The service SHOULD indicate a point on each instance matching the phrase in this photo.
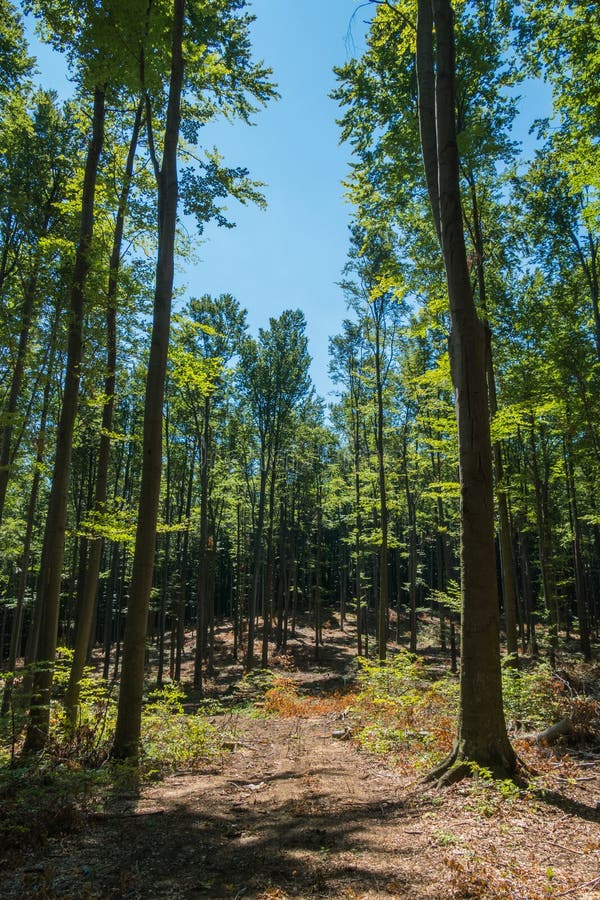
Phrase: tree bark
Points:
(90, 588)
(507, 562)
(270, 573)
(545, 548)
(382, 622)
(127, 734)
(17, 626)
(56, 521)
(580, 593)
(256, 562)
(482, 736)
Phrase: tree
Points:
(346, 352)
(204, 345)
(30, 197)
(127, 732)
(273, 378)
(90, 587)
(375, 296)
(54, 537)
(15, 64)
(482, 736)
(215, 41)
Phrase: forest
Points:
(252, 642)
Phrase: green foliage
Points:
(534, 698)
(450, 598)
(15, 64)
(115, 522)
(172, 738)
(51, 794)
(402, 711)
(405, 711)
(400, 679)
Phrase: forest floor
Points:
(294, 808)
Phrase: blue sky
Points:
(292, 254)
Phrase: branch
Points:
(395, 9)
(426, 105)
(146, 96)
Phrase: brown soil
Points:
(294, 811)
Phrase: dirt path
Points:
(292, 811)
(296, 812)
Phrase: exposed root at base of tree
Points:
(459, 765)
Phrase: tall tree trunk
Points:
(507, 562)
(17, 626)
(90, 588)
(15, 388)
(182, 602)
(441, 556)
(318, 612)
(545, 549)
(358, 536)
(127, 734)
(412, 551)
(482, 735)
(202, 591)
(56, 522)
(282, 588)
(382, 623)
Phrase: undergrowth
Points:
(51, 792)
(406, 712)
(401, 712)
(284, 700)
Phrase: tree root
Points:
(458, 765)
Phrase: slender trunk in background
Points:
(270, 573)
(343, 584)
(580, 592)
(17, 626)
(545, 549)
(256, 563)
(441, 554)
(412, 554)
(120, 583)
(184, 575)
(202, 584)
(56, 521)
(318, 623)
(527, 593)
(282, 574)
(127, 734)
(235, 613)
(15, 388)
(358, 537)
(164, 583)
(109, 608)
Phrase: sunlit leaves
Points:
(204, 186)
